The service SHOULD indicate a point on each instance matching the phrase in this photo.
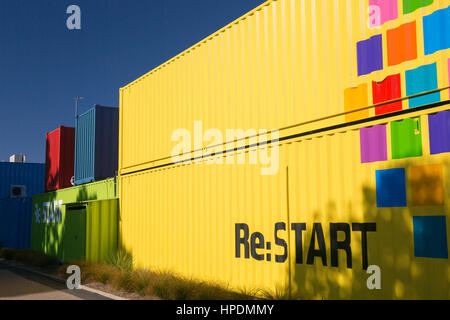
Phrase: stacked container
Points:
(353, 187)
(77, 223)
(59, 158)
(96, 144)
(18, 183)
(29, 176)
(15, 225)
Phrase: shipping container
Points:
(59, 158)
(27, 176)
(361, 187)
(96, 144)
(15, 223)
(57, 217)
(344, 199)
(90, 231)
(286, 63)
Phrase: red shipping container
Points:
(59, 158)
(386, 90)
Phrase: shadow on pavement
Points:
(17, 283)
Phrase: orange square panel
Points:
(427, 186)
(356, 98)
(402, 44)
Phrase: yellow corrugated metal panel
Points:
(183, 218)
(101, 229)
(194, 234)
(284, 63)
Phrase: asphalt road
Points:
(17, 284)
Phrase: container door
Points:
(74, 234)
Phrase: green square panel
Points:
(412, 5)
(406, 138)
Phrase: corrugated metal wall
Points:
(85, 147)
(90, 231)
(30, 175)
(183, 218)
(97, 143)
(102, 226)
(285, 63)
(72, 239)
(107, 142)
(49, 210)
(354, 188)
(15, 223)
(59, 158)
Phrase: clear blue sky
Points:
(43, 65)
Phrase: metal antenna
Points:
(76, 105)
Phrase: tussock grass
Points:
(121, 259)
(163, 285)
(280, 293)
(118, 273)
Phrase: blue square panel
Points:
(430, 237)
(391, 188)
(420, 80)
(436, 31)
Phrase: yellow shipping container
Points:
(229, 223)
(285, 63)
(351, 197)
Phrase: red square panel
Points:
(386, 90)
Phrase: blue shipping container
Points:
(30, 175)
(96, 144)
(15, 223)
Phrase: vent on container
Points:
(18, 192)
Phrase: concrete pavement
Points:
(17, 284)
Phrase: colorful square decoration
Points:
(406, 138)
(388, 10)
(436, 31)
(373, 144)
(412, 5)
(402, 44)
(356, 98)
(430, 237)
(439, 124)
(388, 89)
(427, 185)
(370, 55)
(420, 80)
(391, 188)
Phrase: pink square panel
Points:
(383, 11)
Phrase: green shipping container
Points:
(77, 223)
